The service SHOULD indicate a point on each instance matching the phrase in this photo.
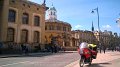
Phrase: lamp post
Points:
(118, 22)
(93, 11)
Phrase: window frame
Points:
(36, 36)
(36, 20)
(24, 37)
(10, 35)
(25, 18)
(11, 16)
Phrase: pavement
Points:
(101, 58)
(31, 54)
(20, 55)
(72, 56)
(60, 59)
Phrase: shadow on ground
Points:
(34, 55)
(98, 65)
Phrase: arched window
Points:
(10, 35)
(25, 18)
(11, 15)
(36, 20)
(36, 37)
(24, 36)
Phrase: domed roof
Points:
(53, 8)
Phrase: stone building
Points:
(107, 38)
(79, 36)
(22, 21)
(56, 30)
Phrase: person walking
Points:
(119, 48)
(23, 46)
(104, 48)
(1, 45)
(26, 48)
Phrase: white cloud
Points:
(78, 26)
(106, 26)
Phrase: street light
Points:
(93, 11)
(118, 22)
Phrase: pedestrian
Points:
(104, 48)
(52, 48)
(100, 48)
(1, 45)
(23, 48)
(119, 48)
(55, 48)
(26, 48)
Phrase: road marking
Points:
(14, 63)
(72, 64)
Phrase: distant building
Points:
(107, 38)
(79, 36)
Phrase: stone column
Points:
(42, 36)
(71, 43)
(63, 43)
(4, 19)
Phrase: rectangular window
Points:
(36, 37)
(37, 21)
(24, 37)
(25, 18)
(10, 35)
(11, 16)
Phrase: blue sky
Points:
(78, 13)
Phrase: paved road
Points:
(54, 60)
(114, 63)
(109, 59)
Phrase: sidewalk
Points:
(101, 58)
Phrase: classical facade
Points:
(22, 21)
(57, 31)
